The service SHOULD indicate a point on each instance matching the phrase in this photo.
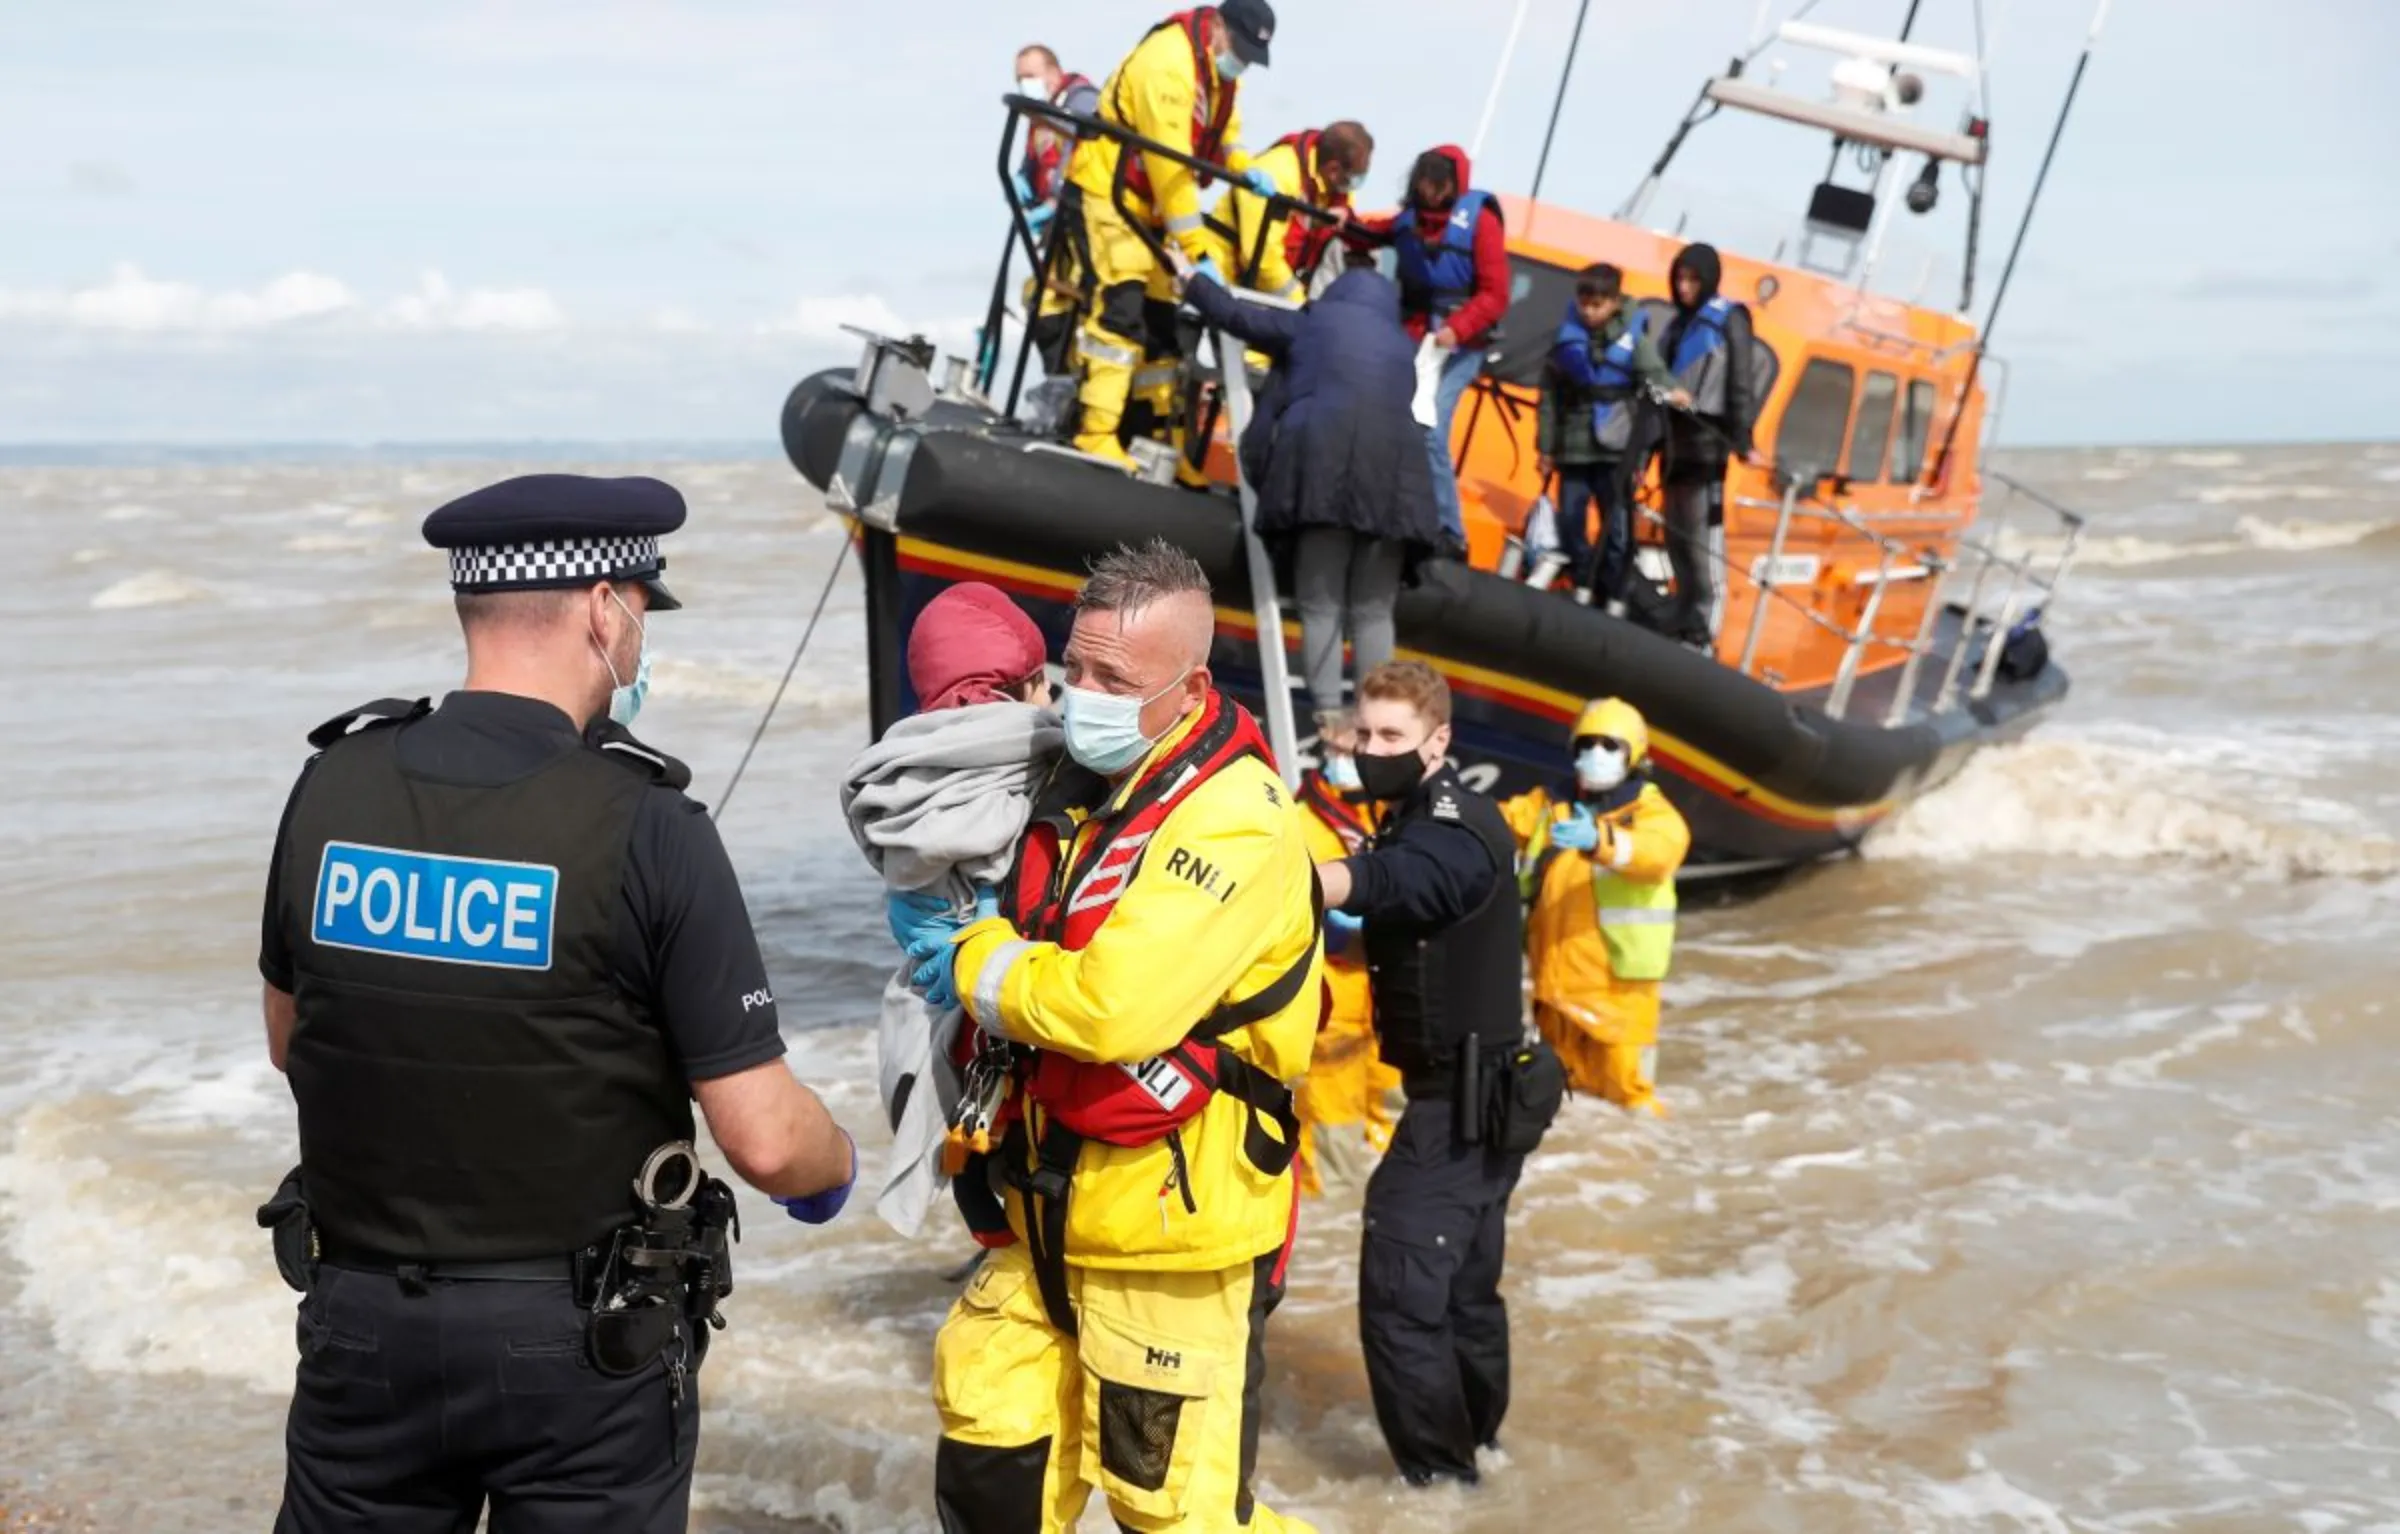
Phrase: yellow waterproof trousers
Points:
(1346, 1106)
(1118, 350)
(1155, 1404)
(1619, 1070)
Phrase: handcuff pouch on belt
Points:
(295, 1233)
(662, 1276)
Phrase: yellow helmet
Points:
(1618, 720)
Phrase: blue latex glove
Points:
(1578, 833)
(817, 1208)
(914, 915)
(934, 952)
(1261, 183)
(1342, 930)
(1024, 189)
(1207, 267)
(1039, 215)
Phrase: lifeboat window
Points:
(1873, 431)
(1817, 418)
(1916, 428)
(1538, 295)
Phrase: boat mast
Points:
(1566, 72)
(1983, 342)
(1491, 103)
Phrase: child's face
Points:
(1596, 312)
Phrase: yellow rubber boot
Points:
(1107, 364)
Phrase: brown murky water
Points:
(2034, 1171)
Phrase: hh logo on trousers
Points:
(415, 905)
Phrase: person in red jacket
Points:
(1451, 253)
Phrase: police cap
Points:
(552, 532)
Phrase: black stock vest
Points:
(472, 1084)
(1435, 989)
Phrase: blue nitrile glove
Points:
(1261, 183)
(1207, 267)
(1024, 189)
(913, 915)
(1579, 833)
(1342, 930)
(934, 953)
(1039, 215)
(817, 1208)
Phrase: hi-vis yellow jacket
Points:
(1243, 210)
(1219, 905)
(1167, 90)
(1642, 844)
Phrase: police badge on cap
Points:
(553, 532)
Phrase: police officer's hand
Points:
(817, 1208)
(1579, 832)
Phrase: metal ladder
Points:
(1266, 603)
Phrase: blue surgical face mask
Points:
(625, 698)
(1104, 731)
(1342, 773)
(1231, 65)
(1600, 768)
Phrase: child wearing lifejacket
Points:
(1597, 862)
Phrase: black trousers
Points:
(413, 1409)
(1598, 567)
(1430, 1316)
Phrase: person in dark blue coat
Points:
(1337, 458)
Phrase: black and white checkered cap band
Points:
(553, 562)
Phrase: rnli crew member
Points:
(1598, 867)
(502, 953)
(1452, 265)
(1444, 940)
(1178, 87)
(1707, 344)
(1606, 350)
(1318, 167)
(1345, 1100)
(1156, 974)
(1040, 178)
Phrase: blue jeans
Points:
(1581, 486)
(1458, 373)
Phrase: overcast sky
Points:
(288, 220)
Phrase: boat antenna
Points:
(1983, 342)
(1491, 103)
(1566, 71)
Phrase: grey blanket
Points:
(938, 804)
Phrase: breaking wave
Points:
(151, 588)
(2251, 535)
(2087, 800)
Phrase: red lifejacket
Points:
(1210, 116)
(1053, 902)
(1050, 144)
(1304, 240)
(1347, 820)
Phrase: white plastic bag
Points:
(1430, 357)
(1541, 528)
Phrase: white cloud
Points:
(435, 305)
(128, 300)
(819, 321)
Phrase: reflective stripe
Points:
(1183, 223)
(1624, 853)
(995, 975)
(1292, 292)
(1634, 916)
(1156, 375)
(1099, 348)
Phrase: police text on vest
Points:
(418, 905)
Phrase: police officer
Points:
(502, 952)
(1444, 938)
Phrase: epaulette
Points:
(375, 716)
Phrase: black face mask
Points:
(1386, 778)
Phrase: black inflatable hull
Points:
(1766, 778)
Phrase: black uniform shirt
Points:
(685, 948)
(1428, 868)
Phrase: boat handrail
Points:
(2029, 589)
(1043, 252)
